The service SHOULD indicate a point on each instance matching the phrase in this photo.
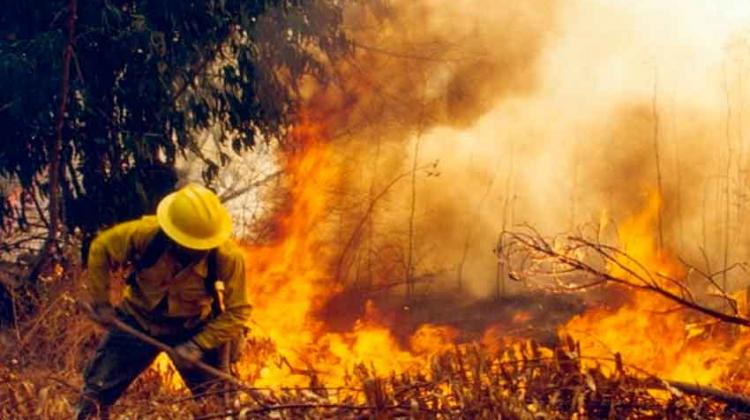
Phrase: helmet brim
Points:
(185, 239)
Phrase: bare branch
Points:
(550, 257)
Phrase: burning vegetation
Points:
(406, 259)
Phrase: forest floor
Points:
(43, 353)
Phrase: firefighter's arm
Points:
(236, 315)
(112, 247)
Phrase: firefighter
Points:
(187, 289)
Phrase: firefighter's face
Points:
(186, 255)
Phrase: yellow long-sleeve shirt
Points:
(188, 303)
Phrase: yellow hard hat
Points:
(194, 217)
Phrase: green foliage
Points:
(146, 76)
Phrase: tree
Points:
(145, 76)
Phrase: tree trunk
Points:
(55, 150)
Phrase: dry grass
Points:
(40, 377)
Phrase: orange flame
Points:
(650, 332)
(291, 281)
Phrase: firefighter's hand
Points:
(189, 352)
(103, 313)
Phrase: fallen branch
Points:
(737, 402)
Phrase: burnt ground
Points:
(534, 315)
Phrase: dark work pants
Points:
(120, 358)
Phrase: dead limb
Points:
(534, 256)
(737, 402)
(232, 194)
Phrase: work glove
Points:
(104, 314)
(189, 351)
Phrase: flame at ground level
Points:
(652, 333)
(291, 281)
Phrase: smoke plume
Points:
(555, 114)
